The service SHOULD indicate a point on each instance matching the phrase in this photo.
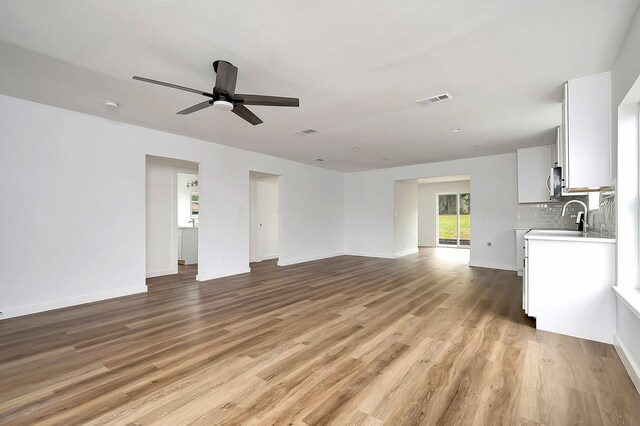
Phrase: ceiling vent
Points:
(306, 131)
(434, 99)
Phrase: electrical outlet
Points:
(488, 243)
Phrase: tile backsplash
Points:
(603, 221)
(549, 215)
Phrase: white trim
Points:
(172, 271)
(632, 368)
(260, 259)
(630, 297)
(286, 262)
(17, 311)
(369, 254)
(406, 252)
(490, 265)
(222, 274)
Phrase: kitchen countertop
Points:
(187, 227)
(566, 235)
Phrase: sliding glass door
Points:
(454, 220)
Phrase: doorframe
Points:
(176, 166)
(254, 211)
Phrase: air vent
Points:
(434, 99)
(306, 131)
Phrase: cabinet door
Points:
(525, 289)
(588, 146)
(534, 165)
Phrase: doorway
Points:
(454, 217)
(453, 225)
(264, 216)
(168, 212)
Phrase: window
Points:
(454, 220)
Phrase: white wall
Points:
(370, 199)
(428, 210)
(84, 239)
(405, 217)
(184, 198)
(160, 218)
(624, 77)
(265, 219)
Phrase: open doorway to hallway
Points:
(264, 216)
(172, 208)
(431, 212)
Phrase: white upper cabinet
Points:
(585, 154)
(534, 165)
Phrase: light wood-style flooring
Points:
(348, 341)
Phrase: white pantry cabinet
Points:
(585, 148)
(534, 165)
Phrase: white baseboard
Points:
(162, 273)
(490, 265)
(632, 368)
(285, 262)
(18, 311)
(406, 252)
(369, 254)
(222, 274)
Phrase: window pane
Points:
(447, 219)
(465, 219)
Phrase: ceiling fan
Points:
(224, 96)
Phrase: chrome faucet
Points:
(193, 223)
(581, 220)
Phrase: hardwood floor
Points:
(346, 341)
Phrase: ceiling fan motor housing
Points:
(221, 100)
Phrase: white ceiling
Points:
(358, 67)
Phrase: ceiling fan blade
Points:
(173, 86)
(226, 75)
(268, 100)
(244, 113)
(197, 107)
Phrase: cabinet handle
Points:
(549, 183)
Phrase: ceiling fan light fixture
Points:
(224, 105)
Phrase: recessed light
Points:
(111, 104)
(320, 159)
(355, 148)
(456, 129)
(475, 146)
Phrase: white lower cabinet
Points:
(568, 287)
(188, 245)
